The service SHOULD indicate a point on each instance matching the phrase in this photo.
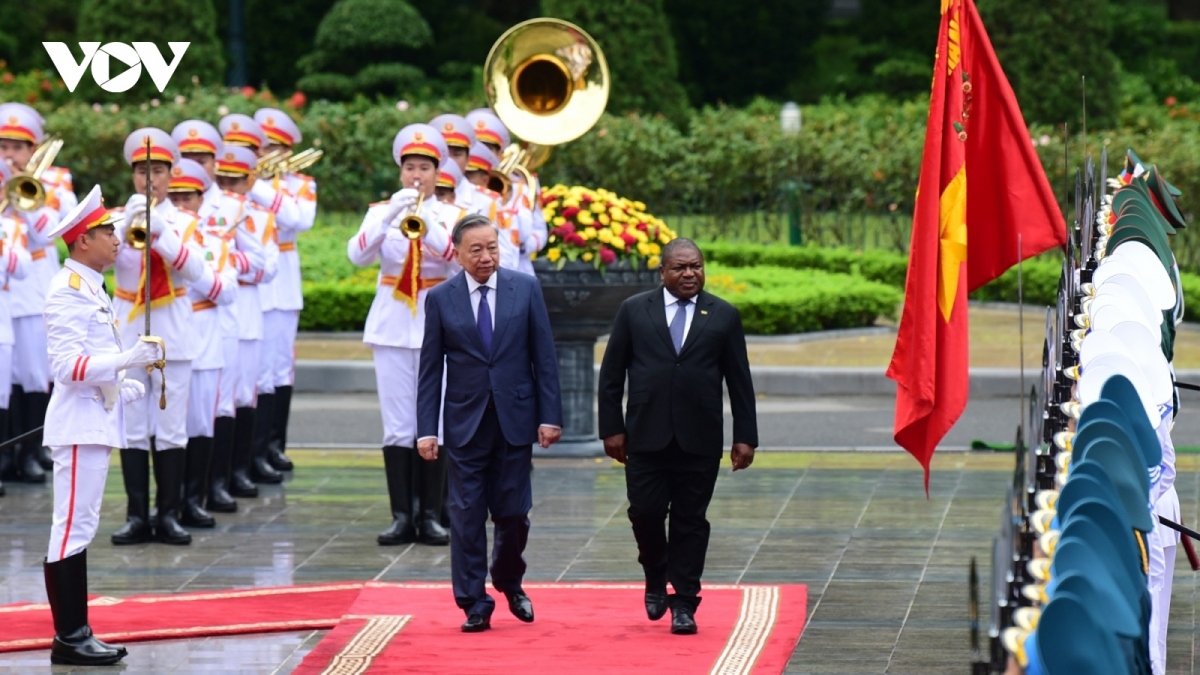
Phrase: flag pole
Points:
(1021, 334)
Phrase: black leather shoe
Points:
(432, 533)
(136, 530)
(81, 648)
(241, 485)
(278, 460)
(261, 471)
(31, 469)
(682, 622)
(520, 605)
(656, 604)
(401, 531)
(477, 623)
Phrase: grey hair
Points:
(469, 222)
(680, 244)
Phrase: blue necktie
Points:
(484, 319)
(678, 322)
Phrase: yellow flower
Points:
(640, 206)
(568, 203)
(655, 249)
(589, 233)
(587, 256)
(559, 221)
(640, 236)
(605, 236)
(584, 218)
(653, 262)
(597, 207)
(604, 220)
(553, 204)
(643, 249)
(617, 228)
(553, 255)
(617, 214)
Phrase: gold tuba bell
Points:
(137, 236)
(413, 225)
(24, 191)
(548, 82)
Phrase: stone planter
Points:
(582, 304)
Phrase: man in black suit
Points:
(675, 344)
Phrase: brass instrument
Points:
(278, 162)
(25, 190)
(138, 234)
(500, 183)
(413, 225)
(548, 82)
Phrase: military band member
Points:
(525, 208)
(242, 130)
(282, 320)
(235, 175)
(14, 264)
(89, 361)
(175, 263)
(396, 323)
(485, 201)
(459, 136)
(450, 177)
(223, 211)
(189, 181)
(489, 130)
(20, 132)
(60, 190)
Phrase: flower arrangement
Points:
(599, 227)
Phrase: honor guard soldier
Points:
(459, 136)
(525, 207)
(235, 175)
(409, 236)
(14, 264)
(222, 211)
(282, 319)
(241, 130)
(20, 133)
(175, 263)
(91, 391)
(189, 182)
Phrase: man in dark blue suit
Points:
(488, 331)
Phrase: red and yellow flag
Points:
(981, 186)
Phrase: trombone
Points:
(25, 190)
(413, 225)
(279, 162)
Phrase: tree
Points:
(160, 22)
(272, 54)
(366, 47)
(25, 25)
(731, 52)
(1045, 46)
(636, 40)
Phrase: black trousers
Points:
(677, 484)
(488, 476)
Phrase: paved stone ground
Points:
(886, 568)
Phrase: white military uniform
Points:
(282, 298)
(207, 296)
(14, 264)
(31, 368)
(83, 341)
(260, 224)
(171, 320)
(534, 233)
(394, 331)
(219, 213)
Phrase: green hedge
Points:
(877, 265)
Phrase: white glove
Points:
(136, 201)
(401, 201)
(132, 390)
(140, 355)
(262, 193)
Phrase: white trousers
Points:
(6, 375)
(202, 402)
(31, 363)
(245, 395)
(143, 419)
(80, 472)
(396, 372)
(279, 345)
(1160, 593)
(228, 379)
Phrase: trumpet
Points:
(413, 225)
(279, 162)
(137, 235)
(25, 190)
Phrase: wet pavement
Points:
(886, 568)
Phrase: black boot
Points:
(195, 483)
(277, 442)
(240, 484)
(33, 469)
(135, 468)
(219, 500)
(169, 466)
(261, 470)
(398, 466)
(431, 482)
(9, 464)
(74, 644)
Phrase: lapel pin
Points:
(704, 312)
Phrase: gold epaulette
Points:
(74, 282)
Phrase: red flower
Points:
(298, 100)
(1171, 101)
(642, 227)
(8, 78)
(607, 256)
(565, 229)
(575, 240)
(45, 85)
(629, 239)
(31, 98)
(570, 212)
(248, 92)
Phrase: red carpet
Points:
(160, 617)
(580, 628)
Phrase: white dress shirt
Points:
(473, 292)
(672, 304)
